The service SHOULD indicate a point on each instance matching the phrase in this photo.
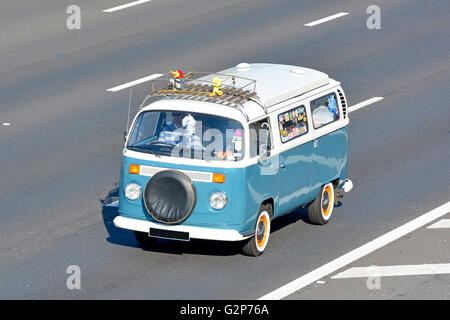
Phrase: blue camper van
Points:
(219, 156)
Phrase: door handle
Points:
(282, 162)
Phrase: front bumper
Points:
(194, 232)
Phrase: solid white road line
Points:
(135, 82)
(356, 254)
(332, 17)
(124, 6)
(364, 104)
(6, 124)
(393, 271)
(444, 223)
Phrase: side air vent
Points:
(343, 103)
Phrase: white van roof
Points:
(266, 85)
(272, 83)
(277, 82)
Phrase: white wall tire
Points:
(321, 209)
(256, 245)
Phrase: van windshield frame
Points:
(185, 134)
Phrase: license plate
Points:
(169, 234)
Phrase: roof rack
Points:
(207, 88)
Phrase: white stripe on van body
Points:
(232, 113)
(246, 162)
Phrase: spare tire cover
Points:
(169, 197)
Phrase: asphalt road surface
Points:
(61, 140)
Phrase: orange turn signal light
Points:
(218, 178)
(135, 169)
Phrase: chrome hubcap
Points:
(261, 231)
(325, 201)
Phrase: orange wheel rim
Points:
(261, 227)
(326, 201)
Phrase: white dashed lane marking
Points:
(124, 6)
(364, 104)
(332, 17)
(392, 271)
(441, 224)
(135, 82)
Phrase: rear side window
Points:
(292, 123)
(324, 110)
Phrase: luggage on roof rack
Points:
(204, 86)
(209, 87)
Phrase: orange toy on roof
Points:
(178, 83)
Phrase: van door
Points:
(295, 159)
(262, 177)
(330, 145)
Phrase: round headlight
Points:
(132, 191)
(218, 200)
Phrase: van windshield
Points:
(187, 135)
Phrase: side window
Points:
(324, 110)
(145, 127)
(292, 123)
(260, 140)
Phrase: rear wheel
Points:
(321, 209)
(256, 245)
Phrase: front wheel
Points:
(256, 245)
(321, 209)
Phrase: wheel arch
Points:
(271, 202)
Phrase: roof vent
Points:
(243, 66)
(298, 71)
(343, 103)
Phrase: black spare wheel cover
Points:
(169, 196)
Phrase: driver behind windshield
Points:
(180, 131)
(177, 122)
